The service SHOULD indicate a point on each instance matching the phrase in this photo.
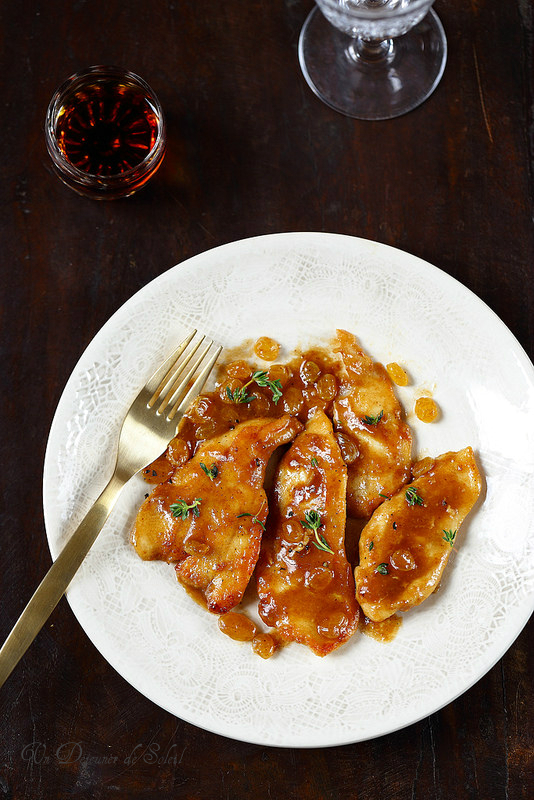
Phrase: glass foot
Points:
(379, 82)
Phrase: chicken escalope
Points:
(368, 413)
(406, 544)
(208, 519)
(305, 583)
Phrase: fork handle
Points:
(55, 582)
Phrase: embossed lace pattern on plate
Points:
(298, 288)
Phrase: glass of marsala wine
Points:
(373, 59)
(105, 132)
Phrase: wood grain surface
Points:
(251, 151)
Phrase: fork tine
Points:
(181, 405)
(178, 379)
(160, 379)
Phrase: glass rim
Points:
(56, 153)
(373, 13)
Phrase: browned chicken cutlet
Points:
(368, 413)
(305, 583)
(208, 518)
(406, 544)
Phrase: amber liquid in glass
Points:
(107, 128)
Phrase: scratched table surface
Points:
(251, 151)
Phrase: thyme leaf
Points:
(181, 509)
(412, 498)
(254, 519)
(382, 569)
(312, 521)
(260, 379)
(449, 536)
(240, 395)
(370, 420)
(322, 544)
(211, 472)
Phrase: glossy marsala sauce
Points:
(305, 584)
(312, 379)
(309, 380)
(406, 551)
(406, 545)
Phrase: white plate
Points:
(297, 287)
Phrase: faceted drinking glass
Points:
(105, 132)
(373, 59)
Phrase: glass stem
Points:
(370, 50)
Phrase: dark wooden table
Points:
(251, 151)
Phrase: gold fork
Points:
(147, 429)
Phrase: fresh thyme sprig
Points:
(211, 472)
(260, 378)
(449, 536)
(240, 395)
(412, 498)
(254, 519)
(181, 509)
(312, 521)
(370, 420)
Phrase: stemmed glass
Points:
(373, 59)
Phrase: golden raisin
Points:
(309, 371)
(261, 405)
(397, 374)
(201, 408)
(326, 387)
(206, 430)
(319, 578)
(237, 626)
(263, 645)
(279, 372)
(239, 369)
(402, 560)
(178, 451)
(194, 547)
(266, 348)
(293, 400)
(349, 450)
(293, 532)
(426, 409)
